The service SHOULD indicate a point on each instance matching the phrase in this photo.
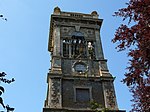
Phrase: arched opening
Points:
(77, 47)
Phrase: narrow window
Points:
(66, 48)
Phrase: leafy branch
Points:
(98, 107)
(1, 16)
(2, 90)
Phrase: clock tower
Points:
(78, 73)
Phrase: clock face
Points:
(80, 67)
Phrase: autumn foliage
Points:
(135, 37)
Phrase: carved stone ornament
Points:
(79, 67)
(55, 93)
(110, 98)
(77, 27)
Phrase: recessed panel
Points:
(82, 95)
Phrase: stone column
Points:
(69, 49)
(56, 37)
(61, 48)
(98, 46)
(56, 57)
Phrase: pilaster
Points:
(99, 50)
(56, 60)
(109, 95)
(55, 94)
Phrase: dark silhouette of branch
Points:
(9, 109)
(3, 74)
(1, 102)
(1, 16)
(3, 79)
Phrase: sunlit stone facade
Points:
(78, 73)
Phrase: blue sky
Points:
(24, 43)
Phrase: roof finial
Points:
(57, 10)
(94, 14)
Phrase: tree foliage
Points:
(2, 90)
(96, 107)
(135, 36)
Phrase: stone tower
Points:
(79, 73)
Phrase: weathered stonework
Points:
(79, 73)
(109, 95)
(55, 91)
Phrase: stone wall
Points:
(69, 95)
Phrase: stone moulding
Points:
(71, 110)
